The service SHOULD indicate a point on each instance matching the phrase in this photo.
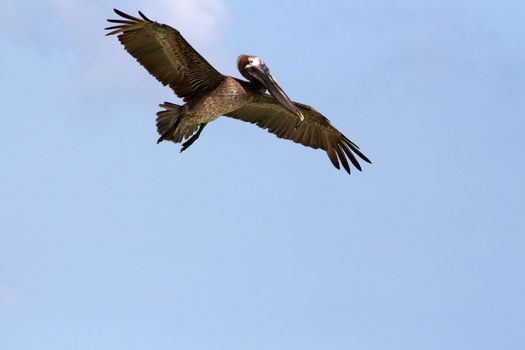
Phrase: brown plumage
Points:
(209, 94)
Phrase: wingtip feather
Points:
(144, 17)
(125, 15)
(342, 158)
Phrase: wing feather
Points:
(315, 131)
(165, 54)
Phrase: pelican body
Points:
(209, 94)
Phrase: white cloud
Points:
(102, 60)
(200, 20)
(73, 31)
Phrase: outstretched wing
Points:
(315, 131)
(165, 54)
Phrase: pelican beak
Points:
(262, 74)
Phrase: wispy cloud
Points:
(72, 32)
(102, 60)
(201, 20)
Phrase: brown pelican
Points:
(208, 94)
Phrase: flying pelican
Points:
(208, 94)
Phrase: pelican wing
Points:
(166, 55)
(315, 131)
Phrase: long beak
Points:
(262, 73)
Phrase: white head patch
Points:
(255, 61)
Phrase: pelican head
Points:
(255, 70)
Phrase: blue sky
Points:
(245, 241)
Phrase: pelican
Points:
(208, 94)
